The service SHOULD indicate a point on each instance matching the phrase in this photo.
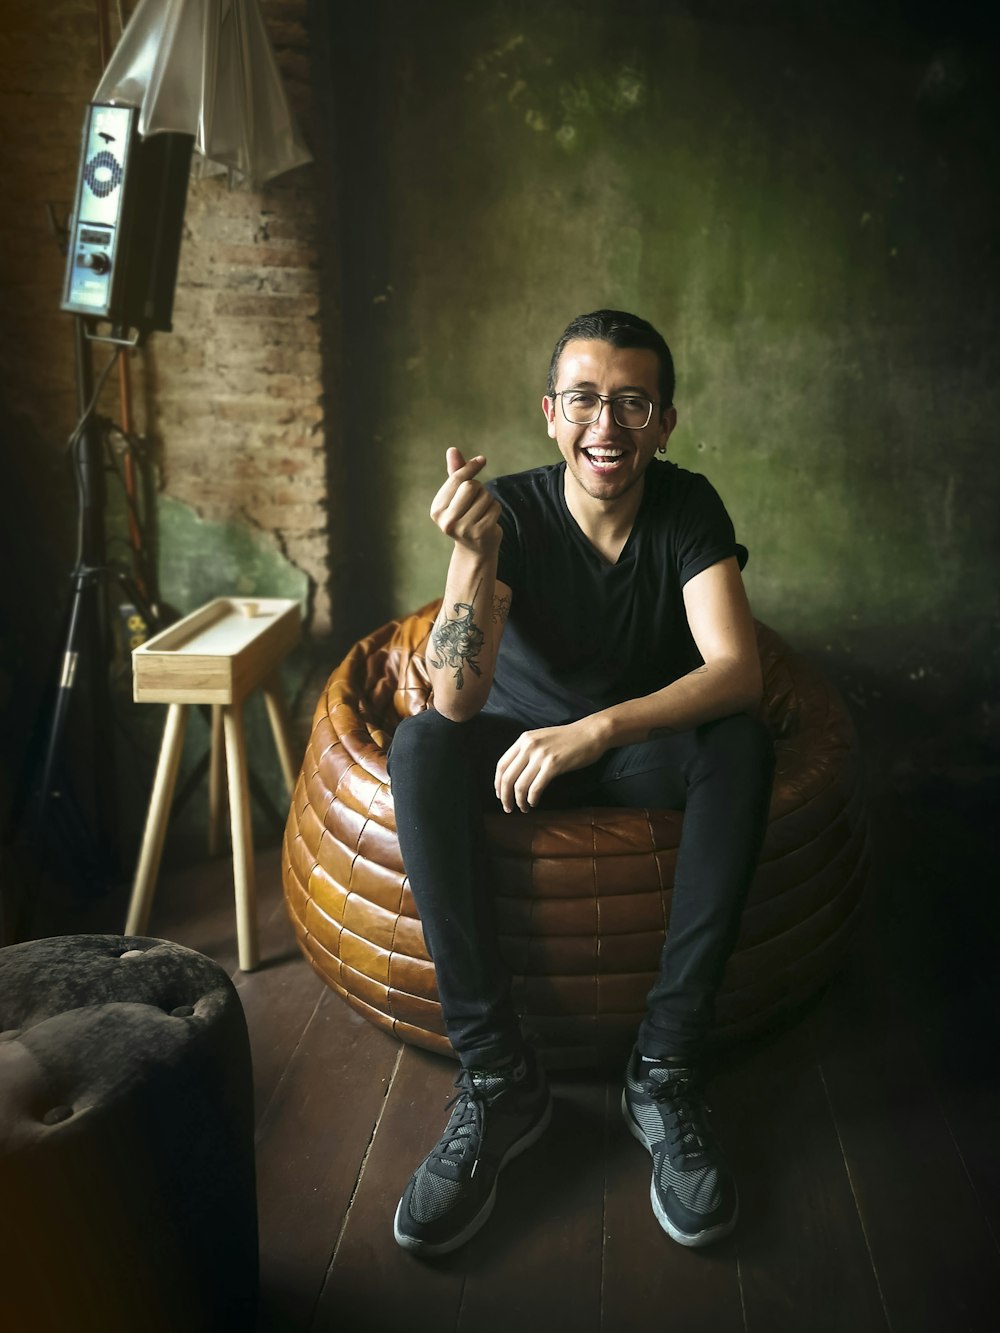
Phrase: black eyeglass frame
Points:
(606, 398)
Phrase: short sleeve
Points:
(509, 560)
(705, 533)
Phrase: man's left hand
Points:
(536, 757)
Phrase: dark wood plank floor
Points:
(864, 1135)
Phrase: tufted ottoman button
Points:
(127, 1189)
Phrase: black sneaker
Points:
(497, 1114)
(692, 1192)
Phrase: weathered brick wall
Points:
(235, 400)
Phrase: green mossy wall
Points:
(197, 559)
(801, 197)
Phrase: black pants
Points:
(442, 783)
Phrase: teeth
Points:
(605, 454)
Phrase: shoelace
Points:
(466, 1125)
(679, 1092)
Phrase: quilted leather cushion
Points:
(583, 896)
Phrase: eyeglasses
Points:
(581, 407)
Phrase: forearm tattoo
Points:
(501, 605)
(458, 642)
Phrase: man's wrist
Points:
(601, 729)
(472, 564)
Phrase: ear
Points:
(668, 420)
(549, 409)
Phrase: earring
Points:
(661, 448)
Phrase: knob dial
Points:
(98, 261)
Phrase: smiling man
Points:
(594, 647)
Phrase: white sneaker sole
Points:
(692, 1241)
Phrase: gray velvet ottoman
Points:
(127, 1191)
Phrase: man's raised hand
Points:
(464, 509)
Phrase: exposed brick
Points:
(270, 256)
(266, 306)
(276, 359)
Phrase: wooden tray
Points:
(218, 654)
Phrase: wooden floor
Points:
(864, 1136)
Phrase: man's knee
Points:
(419, 740)
(740, 742)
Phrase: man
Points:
(594, 647)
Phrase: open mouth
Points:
(603, 458)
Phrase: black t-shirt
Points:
(584, 634)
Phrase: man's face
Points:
(603, 459)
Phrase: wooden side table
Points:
(217, 655)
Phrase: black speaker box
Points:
(125, 234)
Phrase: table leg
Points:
(216, 772)
(239, 819)
(156, 820)
(278, 715)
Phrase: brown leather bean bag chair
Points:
(583, 896)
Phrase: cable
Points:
(72, 447)
(142, 571)
(81, 425)
(110, 429)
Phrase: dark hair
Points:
(620, 330)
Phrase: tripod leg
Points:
(67, 679)
(156, 821)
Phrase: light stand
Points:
(87, 621)
(186, 73)
(56, 812)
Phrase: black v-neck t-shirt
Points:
(583, 633)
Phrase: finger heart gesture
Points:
(463, 508)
